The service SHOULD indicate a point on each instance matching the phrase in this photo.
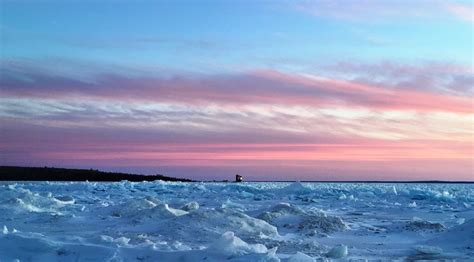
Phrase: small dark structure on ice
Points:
(238, 178)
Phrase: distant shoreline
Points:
(16, 173)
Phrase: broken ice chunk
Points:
(337, 252)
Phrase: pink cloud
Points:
(383, 10)
(262, 121)
(26, 144)
(258, 87)
(462, 11)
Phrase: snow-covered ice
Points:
(173, 221)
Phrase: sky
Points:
(272, 90)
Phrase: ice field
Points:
(173, 221)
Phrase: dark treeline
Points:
(13, 173)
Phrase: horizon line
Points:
(434, 181)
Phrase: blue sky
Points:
(312, 89)
(216, 35)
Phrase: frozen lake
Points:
(172, 221)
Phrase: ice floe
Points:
(170, 221)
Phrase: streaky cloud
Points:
(269, 87)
